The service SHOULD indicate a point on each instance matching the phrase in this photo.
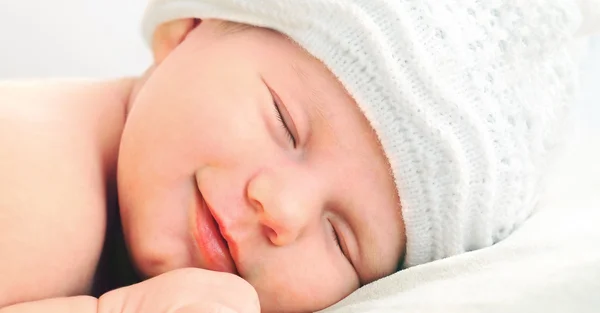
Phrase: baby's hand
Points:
(188, 290)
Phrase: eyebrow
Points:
(230, 28)
(314, 95)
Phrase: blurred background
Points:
(71, 38)
(102, 39)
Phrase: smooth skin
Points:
(203, 120)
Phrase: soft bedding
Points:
(552, 264)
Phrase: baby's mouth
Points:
(214, 249)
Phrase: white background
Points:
(102, 39)
(71, 38)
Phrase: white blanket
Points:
(552, 264)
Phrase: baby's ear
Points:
(169, 35)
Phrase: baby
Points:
(280, 154)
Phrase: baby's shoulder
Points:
(58, 145)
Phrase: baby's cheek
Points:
(233, 138)
(302, 288)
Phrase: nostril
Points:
(270, 234)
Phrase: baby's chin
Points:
(151, 259)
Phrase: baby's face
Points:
(242, 153)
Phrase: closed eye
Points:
(342, 247)
(338, 243)
(284, 117)
(336, 238)
(285, 126)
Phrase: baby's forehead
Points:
(294, 63)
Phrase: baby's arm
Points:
(81, 304)
(53, 136)
(188, 290)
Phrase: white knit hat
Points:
(465, 96)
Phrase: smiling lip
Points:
(214, 251)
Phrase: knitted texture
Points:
(465, 96)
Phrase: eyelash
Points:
(283, 124)
(336, 238)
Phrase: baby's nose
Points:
(285, 206)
